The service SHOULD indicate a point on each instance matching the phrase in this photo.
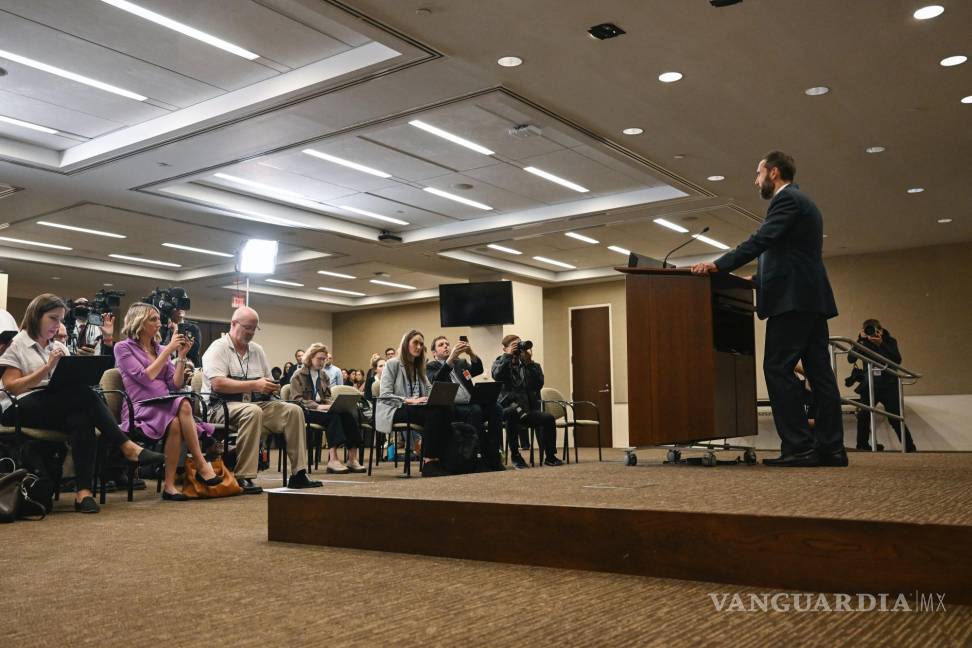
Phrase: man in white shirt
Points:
(333, 372)
(236, 370)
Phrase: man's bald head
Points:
(244, 325)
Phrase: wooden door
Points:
(209, 332)
(590, 333)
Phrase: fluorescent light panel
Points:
(186, 30)
(714, 243)
(557, 179)
(83, 230)
(670, 225)
(346, 163)
(254, 184)
(73, 76)
(581, 237)
(362, 212)
(391, 284)
(455, 139)
(619, 250)
(459, 199)
(37, 243)
(195, 249)
(23, 124)
(501, 248)
(285, 283)
(335, 274)
(559, 264)
(143, 260)
(341, 292)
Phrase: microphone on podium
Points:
(694, 236)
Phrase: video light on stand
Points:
(256, 257)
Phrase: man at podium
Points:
(793, 294)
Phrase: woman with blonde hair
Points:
(402, 399)
(30, 361)
(309, 385)
(148, 373)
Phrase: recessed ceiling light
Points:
(874, 149)
(619, 250)
(391, 284)
(256, 185)
(501, 248)
(143, 260)
(546, 175)
(455, 139)
(23, 124)
(931, 11)
(816, 91)
(559, 264)
(670, 225)
(341, 292)
(38, 244)
(199, 250)
(712, 242)
(716, 178)
(944, 220)
(509, 61)
(186, 30)
(285, 283)
(581, 237)
(916, 190)
(952, 61)
(336, 274)
(50, 69)
(362, 212)
(967, 100)
(459, 199)
(346, 163)
(670, 77)
(633, 131)
(83, 230)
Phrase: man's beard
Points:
(766, 190)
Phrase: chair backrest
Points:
(197, 382)
(112, 379)
(285, 392)
(337, 390)
(549, 395)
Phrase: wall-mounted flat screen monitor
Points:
(486, 303)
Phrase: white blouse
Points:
(28, 356)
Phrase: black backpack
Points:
(462, 450)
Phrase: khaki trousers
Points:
(254, 421)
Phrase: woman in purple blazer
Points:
(147, 372)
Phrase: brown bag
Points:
(226, 488)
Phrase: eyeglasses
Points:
(246, 327)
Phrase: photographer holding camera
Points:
(522, 380)
(91, 325)
(172, 304)
(877, 339)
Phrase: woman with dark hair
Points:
(30, 361)
(148, 373)
(404, 391)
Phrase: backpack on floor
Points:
(462, 449)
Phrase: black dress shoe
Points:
(87, 505)
(805, 459)
(174, 497)
(249, 488)
(214, 481)
(149, 458)
(837, 458)
(552, 461)
(300, 480)
(434, 469)
(518, 461)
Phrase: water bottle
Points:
(391, 452)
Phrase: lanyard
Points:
(243, 368)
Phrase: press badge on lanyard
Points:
(467, 375)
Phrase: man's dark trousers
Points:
(791, 337)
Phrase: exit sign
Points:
(239, 301)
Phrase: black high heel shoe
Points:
(149, 458)
(215, 481)
(174, 497)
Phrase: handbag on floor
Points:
(195, 490)
(15, 500)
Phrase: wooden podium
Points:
(691, 356)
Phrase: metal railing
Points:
(873, 360)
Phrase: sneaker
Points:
(300, 480)
(337, 468)
(434, 469)
(552, 461)
(518, 462)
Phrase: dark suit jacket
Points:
(789, 244)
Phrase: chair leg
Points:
(531, 447)
(283, 455)
(599, 441)
(371, 455)
(567, 445)
(131, 481)
(408, 450)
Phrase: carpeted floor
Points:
(150, 573)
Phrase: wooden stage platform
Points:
(890, 523)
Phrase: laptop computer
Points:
(486, 393)
(345, 404)
(80, 371)
(443, 393)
